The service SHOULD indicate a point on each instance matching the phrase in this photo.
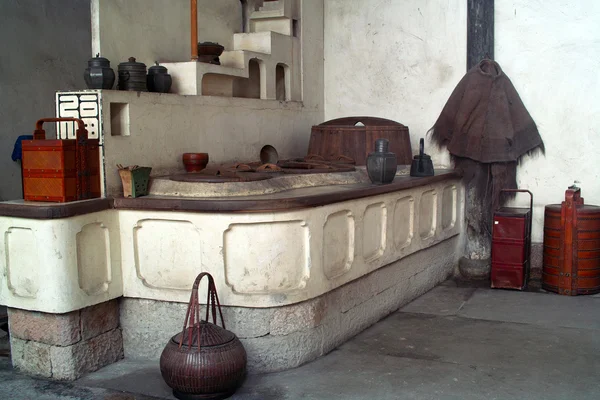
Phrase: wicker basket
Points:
(204, 361)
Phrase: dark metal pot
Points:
(158, 79)
(382, 164)
(99, 74)
(422, 164)
(132, 76)
(204, 361)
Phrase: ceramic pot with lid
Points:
(204, 361)
(132, 76)
(99, 74)
(158, 79)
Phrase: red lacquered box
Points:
(60, 170)
(511, 246)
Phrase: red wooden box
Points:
(571, 263)
(511, 246)
(52, 171)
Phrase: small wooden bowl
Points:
(194, 162)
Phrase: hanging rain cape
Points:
(485, 122)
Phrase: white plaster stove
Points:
(289, 262)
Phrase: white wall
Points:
(159, 30)
(551, 51)
(394, 59)
(45, 47)
(402, 59)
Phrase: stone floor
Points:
(454, 342)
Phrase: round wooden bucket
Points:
(571, 263)
(355, 137)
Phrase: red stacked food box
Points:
(511, 247)
(571, 263)
(60, 170)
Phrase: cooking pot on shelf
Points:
(132, 76)
(99, 74)
(158, 79)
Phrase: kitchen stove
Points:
(257, 171)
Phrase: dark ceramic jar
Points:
(382, 164)
(158, 79)
(99, 74)
(132, 76)
(204, 361)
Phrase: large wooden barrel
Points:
(571, 263)
(355, 137)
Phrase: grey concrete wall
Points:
(45, 47)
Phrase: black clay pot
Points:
(158, 79)
(382, 164)
(132, 76)
(99, 74)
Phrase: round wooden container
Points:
(355, 137)
(571, 263)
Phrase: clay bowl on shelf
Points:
(194, 162)
(210, 49)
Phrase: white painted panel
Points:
(338, 244)
(259, 258)
(374, 231)
(427, 214)
(449, 207)
(167, 253)
(93, 258)
(404, 217)
(21, 262)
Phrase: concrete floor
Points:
(454, 342)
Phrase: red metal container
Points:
(571, 246)
(511, 246)
(60, 170)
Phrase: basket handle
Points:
(40, 134)
(193, 312)
(520, 191)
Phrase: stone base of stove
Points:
(280, 338)
(65, 346)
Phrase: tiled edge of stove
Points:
(275, 259)
(257, 259)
